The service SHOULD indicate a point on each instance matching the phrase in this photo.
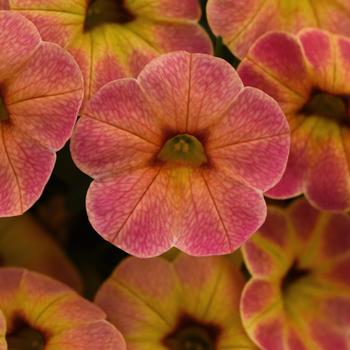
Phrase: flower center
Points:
(25, 338)
(183, 149)
(190, 334)
(106, 11)
(294, 275)
(328, 106)
(4, 115)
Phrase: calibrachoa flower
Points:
(24, 243)
(41, 91)
(299, 295)
(308, 75)
(111, 39)
(181, 157)
(190, 304)
(41, 313)
(241, 22)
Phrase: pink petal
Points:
(134, 211)
(213, 221)
(44, 96)
(117, 130)
(25, 169)
(99, 335)
(278, 56)
(18, 41)
(331, 191)
(253, 127)
(178, 86)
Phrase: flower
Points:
(24, 243)
(40, 313)
(41, 90)
(241, 23)
(111, 39)
(191, 303)
(180, 157)
(308, 75)
(299, 294)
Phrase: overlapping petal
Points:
(145, 205)
(293, 70)
(41, 90)
(242, 22)
(120, 46)
(64, 319)
(298, 297)
(148, 300)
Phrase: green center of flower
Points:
(328, 106)
(4, 116)
(190, 334)
(25, 338)
(183, 149)
(106, 11)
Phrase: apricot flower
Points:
(242, 22)
(308, 75)
(111, 39)
(41, 90)
(181, 157)
(299, 295)
(40, 313)
(192, 303)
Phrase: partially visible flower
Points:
(24, 243)
(299, 295)
(181, 157)
(242, 22)
(309, 75)
(41, 90)
(190, 303)
(41, 313)
(111, 39)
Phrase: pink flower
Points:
(39, 313)
(180, 157)
(111, 39)
(41, 91)
(241, 22)
(308, 75)
(299, 294)
(190, 303)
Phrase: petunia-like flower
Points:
(111, 39)
(189, 304)
(308, 75)
(299, 295)
(24, 243)
(40, 313)
(241, 22)
(41, 90)
(181, 157)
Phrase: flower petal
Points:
(142, 311)
(24, 172)
(214, 222)
(278, 59)
(117, 130)
(178, 84)
(133, 210)
(44, 97)
(253, 127)
(18, 41)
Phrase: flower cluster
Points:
(182, 150)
